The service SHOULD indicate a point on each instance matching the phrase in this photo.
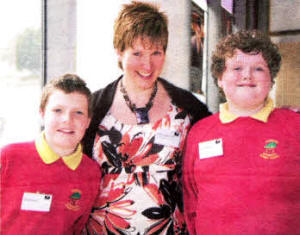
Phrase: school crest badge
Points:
(270, 147)
(74, 198)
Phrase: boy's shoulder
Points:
(287, 116)
(12, 147)
(287, 112)
(89, 171)
(15, 151)
(89, 163)
(204, 126)
(206, 122)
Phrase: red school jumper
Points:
(73, 192)
(254, 186)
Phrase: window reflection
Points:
(20, 69)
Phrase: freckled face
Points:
(65, 119)
(246, 81)
(142, 63)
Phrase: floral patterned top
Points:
(141, 165)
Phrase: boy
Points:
(242, 165)
(48, 186)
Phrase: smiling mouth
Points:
(66, 131)
(145, 75)
(247, 85)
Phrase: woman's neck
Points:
(138, 96)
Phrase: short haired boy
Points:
(48, 186)
(242, 165)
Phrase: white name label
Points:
(167, 137)
(212, 148)
(36, 202)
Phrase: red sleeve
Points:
(79, 226)
(3, 164)
(190, 191)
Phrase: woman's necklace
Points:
(141, 114)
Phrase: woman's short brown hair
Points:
(67, 83)
(139, 19)
(251, 41)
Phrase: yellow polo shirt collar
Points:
(262, 115)
(49, 156)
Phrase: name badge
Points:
(36, 202)
(167, 137)
(212, 148)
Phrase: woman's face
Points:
(142, 63)
(246, 81)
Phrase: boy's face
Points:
(246, 81)
(65, 119)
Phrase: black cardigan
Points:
(103, 99)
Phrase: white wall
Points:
(61, 39)
(177, 61)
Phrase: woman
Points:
(138, 132)
(242, 165)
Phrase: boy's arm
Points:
(189, 186)
(79, 226)
(2, 163)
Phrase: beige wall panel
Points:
(288, 79)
